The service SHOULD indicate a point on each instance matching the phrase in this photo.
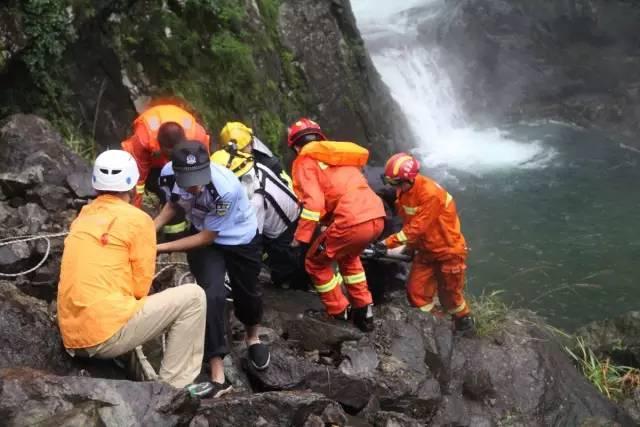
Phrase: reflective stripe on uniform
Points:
(329, 286)
(448, 200)
(310, 215)
(458, 309)
(410, 210)
(140, 188)
(355, 278)
(401, 236)
(427, 308)
(175, 228)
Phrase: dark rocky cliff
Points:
(574, 60)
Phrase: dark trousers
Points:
(242, 262)
(286, 263)
(151, 185)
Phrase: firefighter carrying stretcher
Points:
(431, 228)
(328, 181)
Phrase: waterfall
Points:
(444, 137)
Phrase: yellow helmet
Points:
(237, 162)
(237, 133)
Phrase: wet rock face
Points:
(414, 365)
(31, 397)
(272, 409)
(351, 99)
(618, 338)
(41, 191)
(29, 336)
(576, 60)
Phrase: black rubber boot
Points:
(465, 326)
(345, 315)
(363, 318)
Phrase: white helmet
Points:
(115, 170)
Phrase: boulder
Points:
(80, 184)
(271, 409)
(29, 338)
(29, 141)
(618, 338)
(29, 397)
(290, 372)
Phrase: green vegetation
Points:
(614, 381)
(489, 312)
(73, 137)
(48, 27)
(218, 57)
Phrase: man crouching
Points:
(108, 263)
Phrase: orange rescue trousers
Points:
(344, 246)
(445, 277)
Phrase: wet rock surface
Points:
(618, 338)
(412, 370)
(41, 195)
(29, 397)
(575, 60)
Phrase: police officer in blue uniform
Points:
(223, 237)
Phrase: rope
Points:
(7, 241)
(21, 239)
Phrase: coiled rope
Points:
(8, 241)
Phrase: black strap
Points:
(267, 196)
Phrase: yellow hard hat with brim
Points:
(237, 133)
(237, 162)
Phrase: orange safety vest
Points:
(331, 193)
(430, 221)
(144, 146)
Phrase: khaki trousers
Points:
(181, 312)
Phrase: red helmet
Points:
(302, 128)
(401, 167)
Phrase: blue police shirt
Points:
(222, 206)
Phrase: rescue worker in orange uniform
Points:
(155, 132)
(431, 228)
(334, 192)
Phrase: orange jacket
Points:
(143, 144)
(338, 194)
(431, 222)
(107, 268)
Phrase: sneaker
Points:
(345, 315)
(363, 318)
(220, 389)
(202, 389)
(259, 356)
(465, 325)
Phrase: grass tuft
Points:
(489, 311)
(614, 381)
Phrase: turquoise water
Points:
(562, 239)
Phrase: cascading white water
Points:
(424, 91)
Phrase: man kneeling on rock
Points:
(224, 237)
(108, 263)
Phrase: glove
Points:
(380, 249)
